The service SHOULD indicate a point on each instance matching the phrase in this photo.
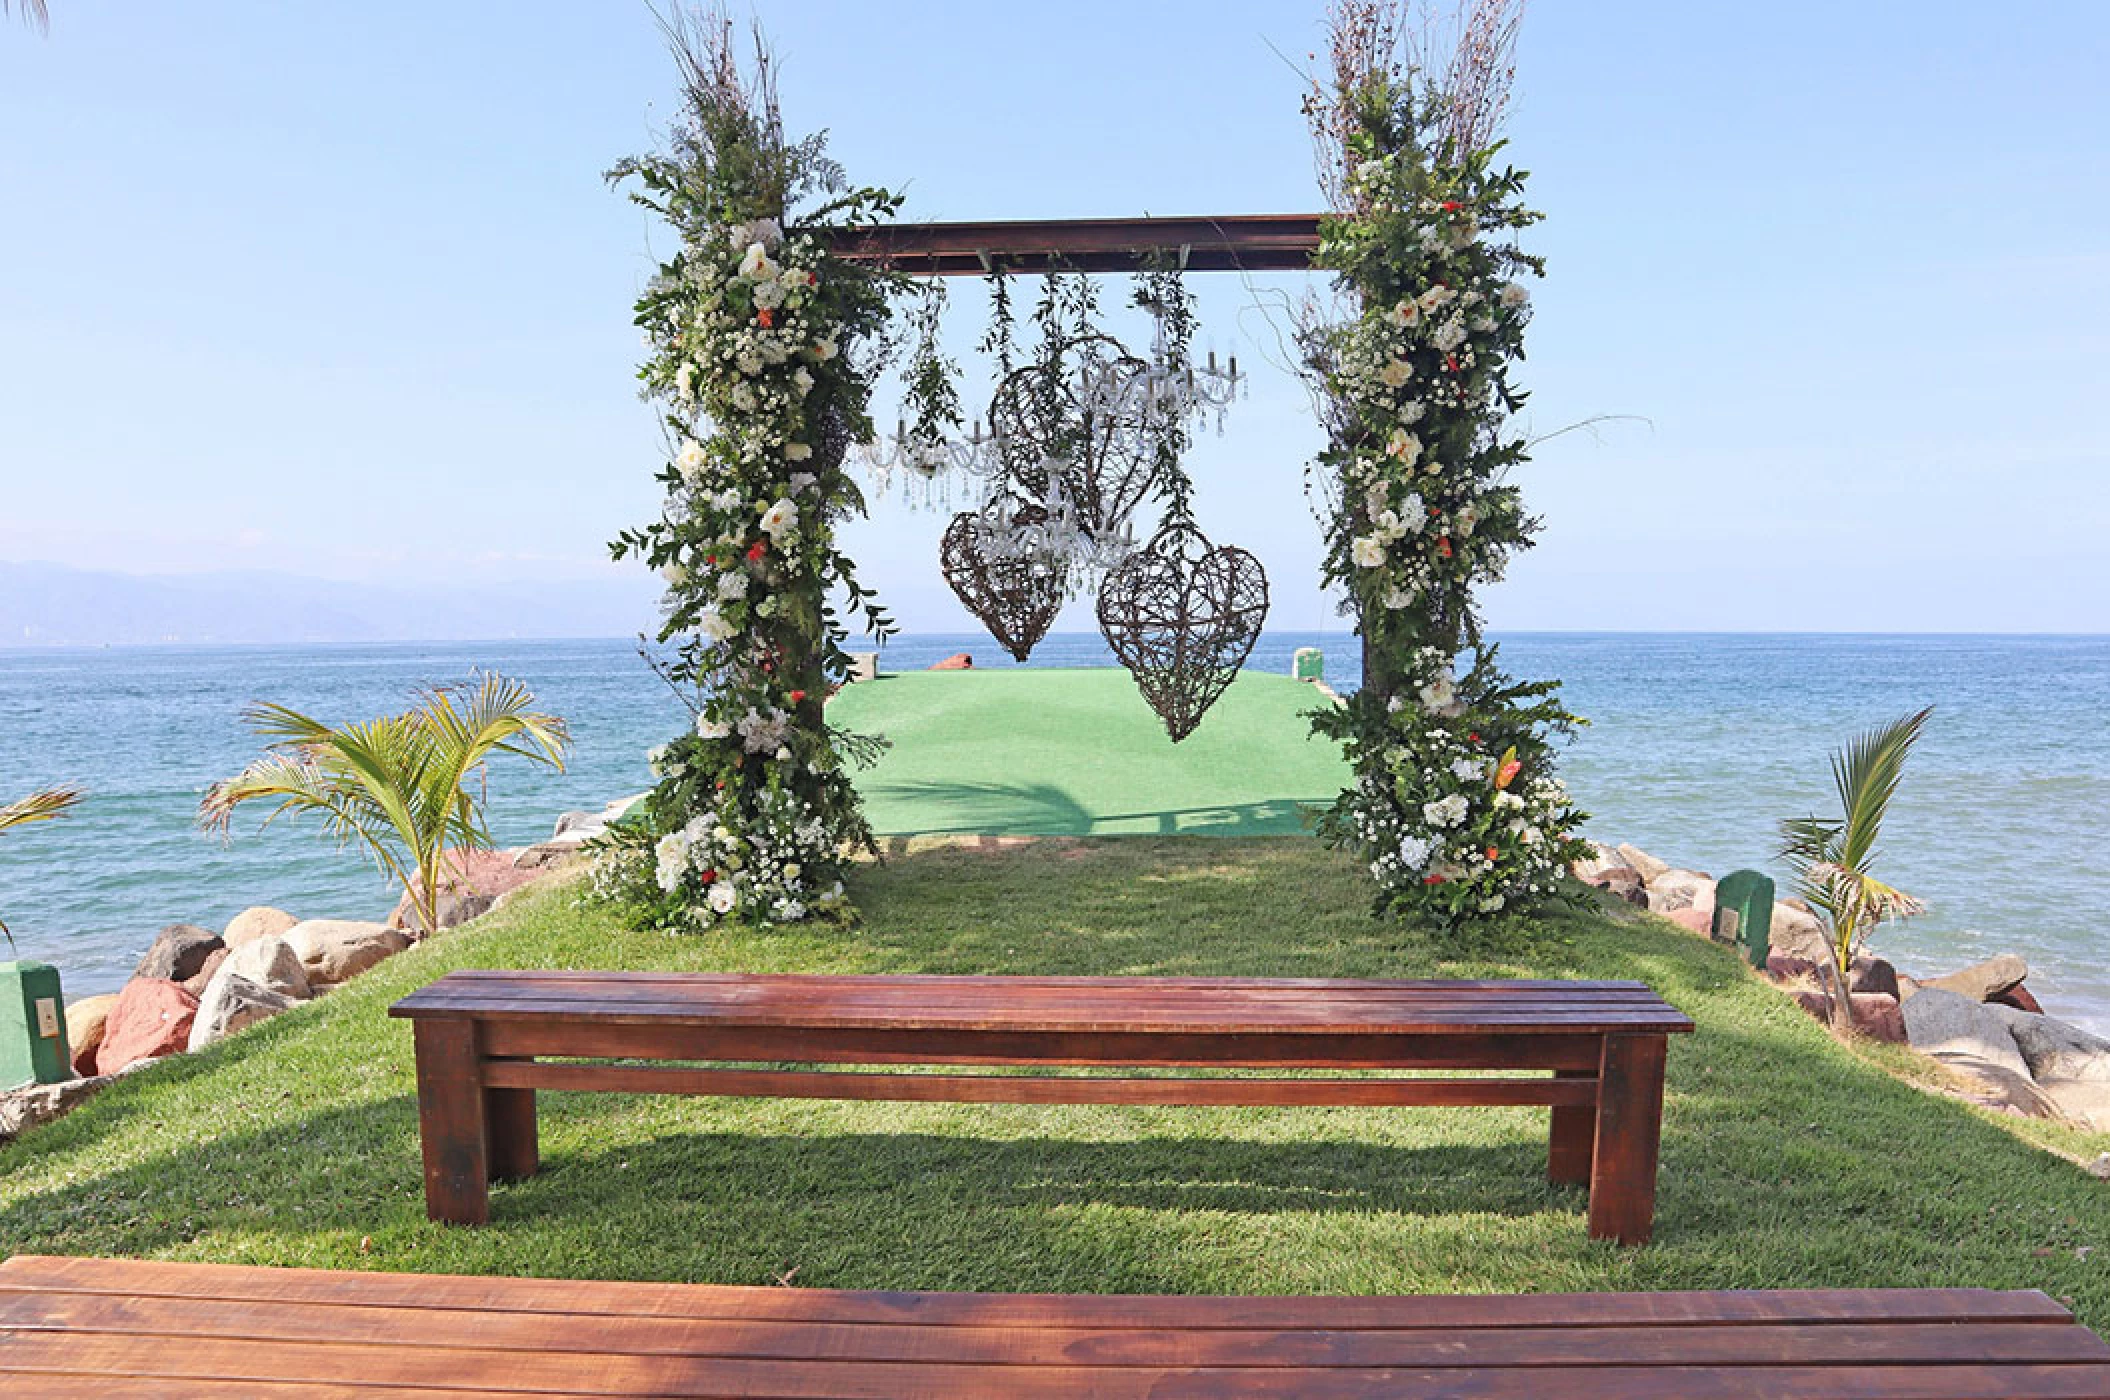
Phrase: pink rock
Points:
(2020, 997)
(1876, 1016)
(151, 1018)
(1785, 967)
(958, 661)
(195, 983)
(1700, 921)
(473, 881)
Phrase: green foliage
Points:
(1834, 858)
(407, 787)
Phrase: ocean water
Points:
(1697, 745)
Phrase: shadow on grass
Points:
(1043, 809)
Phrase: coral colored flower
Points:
(1493, 853)
(1443, 546)
(797, 696)
(1507, 773)
(766, 318)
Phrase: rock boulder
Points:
(1943, 1024)
(233, 1003)
(85, 1020)
(1681, 889)
(472, 882)
(2019, 997)
(177, 953)
(337, 950)
(37, 1104)
(151, 1018)
(1798, 933)
(197, 982)
(1876, 1016)
(1998, 1086)
(1876, 975)
(269, 962)
(1692, 920)
(1642, 861)
(2085, 1101)
(1983, 981)
(259, 921)
(2054, 1049)
(1601, 864)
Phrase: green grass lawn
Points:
(1787, 1159)
(1098, 763)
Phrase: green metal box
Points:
(1308, 664)
(33, 1046)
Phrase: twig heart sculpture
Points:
(1182, 615)
(992, 561)
(1074, 437)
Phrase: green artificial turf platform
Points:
(1043, 752)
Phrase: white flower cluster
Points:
(758, 872)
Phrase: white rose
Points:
(1514, 294)
(1438, 693)
(1434, 297)
(685, 382)
(758, 233)
(1397, 599)
(713, 626)
(676, 574)
(1404, 446)
(779, 519)
(802, 482)
(797, 452)
(1405, 314)
(1387, 524)
(708, 728)
(1466, 518)
(722, 897)
(1396, 373)
(690, 461)
(755, 264)
(824, 349)
(1367, 552)
(1449, 336)
(803, 378)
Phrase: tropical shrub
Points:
(408, 787)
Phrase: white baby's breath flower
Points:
(732, 587)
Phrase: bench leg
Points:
(1574, 1138)
(451, 1127)
(1629, 1127)
(509, 1118)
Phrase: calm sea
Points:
(1697, 745)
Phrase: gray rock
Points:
(1600, 864)
(1642, 861)
(1983, 981)
(1943, 1024)
(2053, 1048)
(36, 1105)
(233, 1003)
(1998, 1086)
(574, 825)
(179, 951)
(1680, 889)
(268, 962)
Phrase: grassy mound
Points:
(1098, 763)
(1787, 1160)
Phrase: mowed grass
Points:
(1788, 1160)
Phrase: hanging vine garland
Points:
(1011, 581)
(1182, 615)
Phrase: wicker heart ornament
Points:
(1001, 574)
(1182, 615)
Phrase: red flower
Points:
(1451, 206)
(1493, 854)
(710, 875)
(1475, 738)
(767, 317)
(1450, 362)
(1432, 879)
(756, 550)
(1507, 773)
(1443, 546)
(711, 559)
(797, 696)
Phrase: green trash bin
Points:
(33, 1046)
(1308, 664)
(1743, 914)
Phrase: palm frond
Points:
(1867, 773)
(47, 805)
(33, 13)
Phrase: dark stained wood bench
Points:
(481, 1037)
(103, 1328)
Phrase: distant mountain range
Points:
(51, 605)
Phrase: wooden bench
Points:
(102, 1328)
(480, 1036)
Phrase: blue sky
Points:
(337, 290)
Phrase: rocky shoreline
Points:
(194, 987)
(1981, 1023)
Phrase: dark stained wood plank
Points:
(509, 1125)
(936, 1088)
(1629, 1127)
(1248, 242)
(1572, 1139)
(793, 1340)
(451, 1127)
(153, 1278)
(528, 1036)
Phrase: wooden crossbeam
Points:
(1227, 243)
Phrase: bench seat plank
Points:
(69, 1326)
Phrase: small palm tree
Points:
(400, 784)
(1834, 857)
(48, 805)
(33, 12)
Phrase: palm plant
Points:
(33, 12)
(1834, 857)
(48, 805)
(402, 784)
